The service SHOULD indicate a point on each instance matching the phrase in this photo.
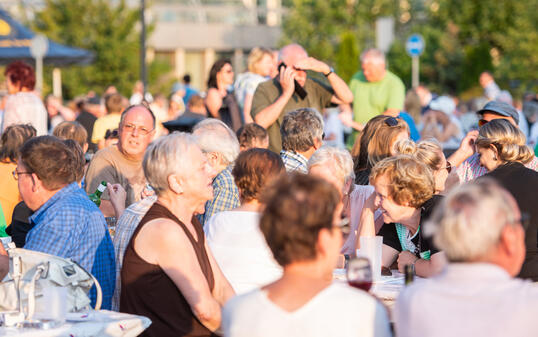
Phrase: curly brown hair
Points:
(298, 207)
(12, 140)
(21, 74)
(254, 169)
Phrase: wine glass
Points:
(359, 273)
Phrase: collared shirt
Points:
(470, 169)
(294, 161)
(468, 299)
(25, 108)
(225, 195)
(69, 225)
(125, 228)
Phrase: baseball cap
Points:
(500, 108)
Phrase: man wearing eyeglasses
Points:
(470, 167)
(122, 163)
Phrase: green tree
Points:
(97, 25)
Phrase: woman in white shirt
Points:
(234, 236)
(302, 225)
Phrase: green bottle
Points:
(96, 196)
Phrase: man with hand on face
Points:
(274, 98)
(122, 163)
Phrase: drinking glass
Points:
(359, 273)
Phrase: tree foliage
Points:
(104, 28)
(463, 38)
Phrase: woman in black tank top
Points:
(168, 274)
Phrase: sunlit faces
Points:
(392, 212)
(226, 74)
(373, 69)
(266, 65)
(488, 158)
(324, 172)
(136, 132)
(400, 136)
(291, 59)
(25, 183)
(197, 178)
(441, 174)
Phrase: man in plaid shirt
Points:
(220, 145)
(66, 223)
(302, 135)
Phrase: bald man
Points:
(376, 90)
(274, 98)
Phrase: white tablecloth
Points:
(95, 323)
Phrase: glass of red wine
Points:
(359, 273)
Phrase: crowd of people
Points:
(226, 212)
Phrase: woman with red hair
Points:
(23, 105)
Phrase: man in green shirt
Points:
(276, 97)
(375, 89)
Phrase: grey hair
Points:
(300, 128)
(373, 53)
(469, 221)
(339, 161)
(212, 135)
(166, 156)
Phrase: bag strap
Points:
(31, 292)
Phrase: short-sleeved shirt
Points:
(110, 165)
(246, 84)
(423, 244)
(69, 225)
(374, 98)
(318, 97)
(25, 108)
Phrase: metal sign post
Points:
(415, 47)
(38, 48)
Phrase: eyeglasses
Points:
(344, 225)
(17, 174)
(391, 121)
(141, 129)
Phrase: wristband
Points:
(331, 70)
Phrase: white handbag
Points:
(30, 272)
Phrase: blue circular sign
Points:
(414, 45)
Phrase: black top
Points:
(390, 235)
(87, 120)
(20, 226)
(148, 291)
(522, 183)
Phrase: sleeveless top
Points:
(146, 289)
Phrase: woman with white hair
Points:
(169, 274)
(503, 151)
(336, 166)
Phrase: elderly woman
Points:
(503, 152)
(404, 193)
(430, 152)
(260, 64)
(301, 224)
(234, 236)
(377, 142)
(169, 274)
(336, 166)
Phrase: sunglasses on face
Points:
(482, 122)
